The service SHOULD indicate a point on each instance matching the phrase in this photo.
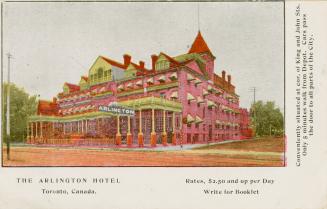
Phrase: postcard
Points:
(119, 104)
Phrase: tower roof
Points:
(199, 45)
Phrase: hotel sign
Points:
(117, 110)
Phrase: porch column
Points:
(32, 132)
(28, 133)
(129, 135)
(118, 135)
(173, 139)
(36, 131)
(140, 138)
(71, 127)
(164, 133)
(41, 131)
(64, 127)
(78, 126)
(153, 132)
(86, 126)
(53, 129)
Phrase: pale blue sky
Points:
(53, 43)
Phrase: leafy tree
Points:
(22, 105)
(267, 119)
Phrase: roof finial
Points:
(198, 16)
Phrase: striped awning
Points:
(189, 118)
(102, 89)
(218, 122)
(190, 77)
(139, 83)
(150, 81)
(197, 81)
(173, 76)
(210, 88)
(129, 85)
(162, 78)
(121, 87)
(200, 100)
(198, 119)
(174, 95)
(211, 104)
(205, 92)
(190, 97)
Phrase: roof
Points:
(114, 63)
(169, 58)
(47, 108)
(85, 78)
(199, 45)
(72, 87)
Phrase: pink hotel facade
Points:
(180, 100)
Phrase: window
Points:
(162, 95)
(197, 126)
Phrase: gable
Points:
(130, 71)
(100, 72)
(195, 67)
(162, 63)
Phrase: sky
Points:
(53, 43)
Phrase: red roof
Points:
(170, 59)
(47, 108)
(114, 63)
(85, 78)
(72, 87)
(199, 45)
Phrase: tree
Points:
(267, 119)
(22, 105)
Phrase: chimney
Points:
(54, 100)
(229, 78)
(154, 60)
(141, 64)
(223, 74)
(127, 59)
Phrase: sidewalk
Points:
(158, 148)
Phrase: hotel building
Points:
(179, 100)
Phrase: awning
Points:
(205, 92)
(162, 78)
(102, 89)
(197, 81)
(211, 103)
(174, 95)
(150, 81)
(218, 122)
(190, 97)
(198, 119)
(129, 85)
(218, 91)
(200, 100)
(173, 76)
(189, 118)
(190, 77)
(210, 88)
(139, 83)
(121, 87)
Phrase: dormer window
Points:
(162, 65)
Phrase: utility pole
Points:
(8, 109)
(254, 89)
